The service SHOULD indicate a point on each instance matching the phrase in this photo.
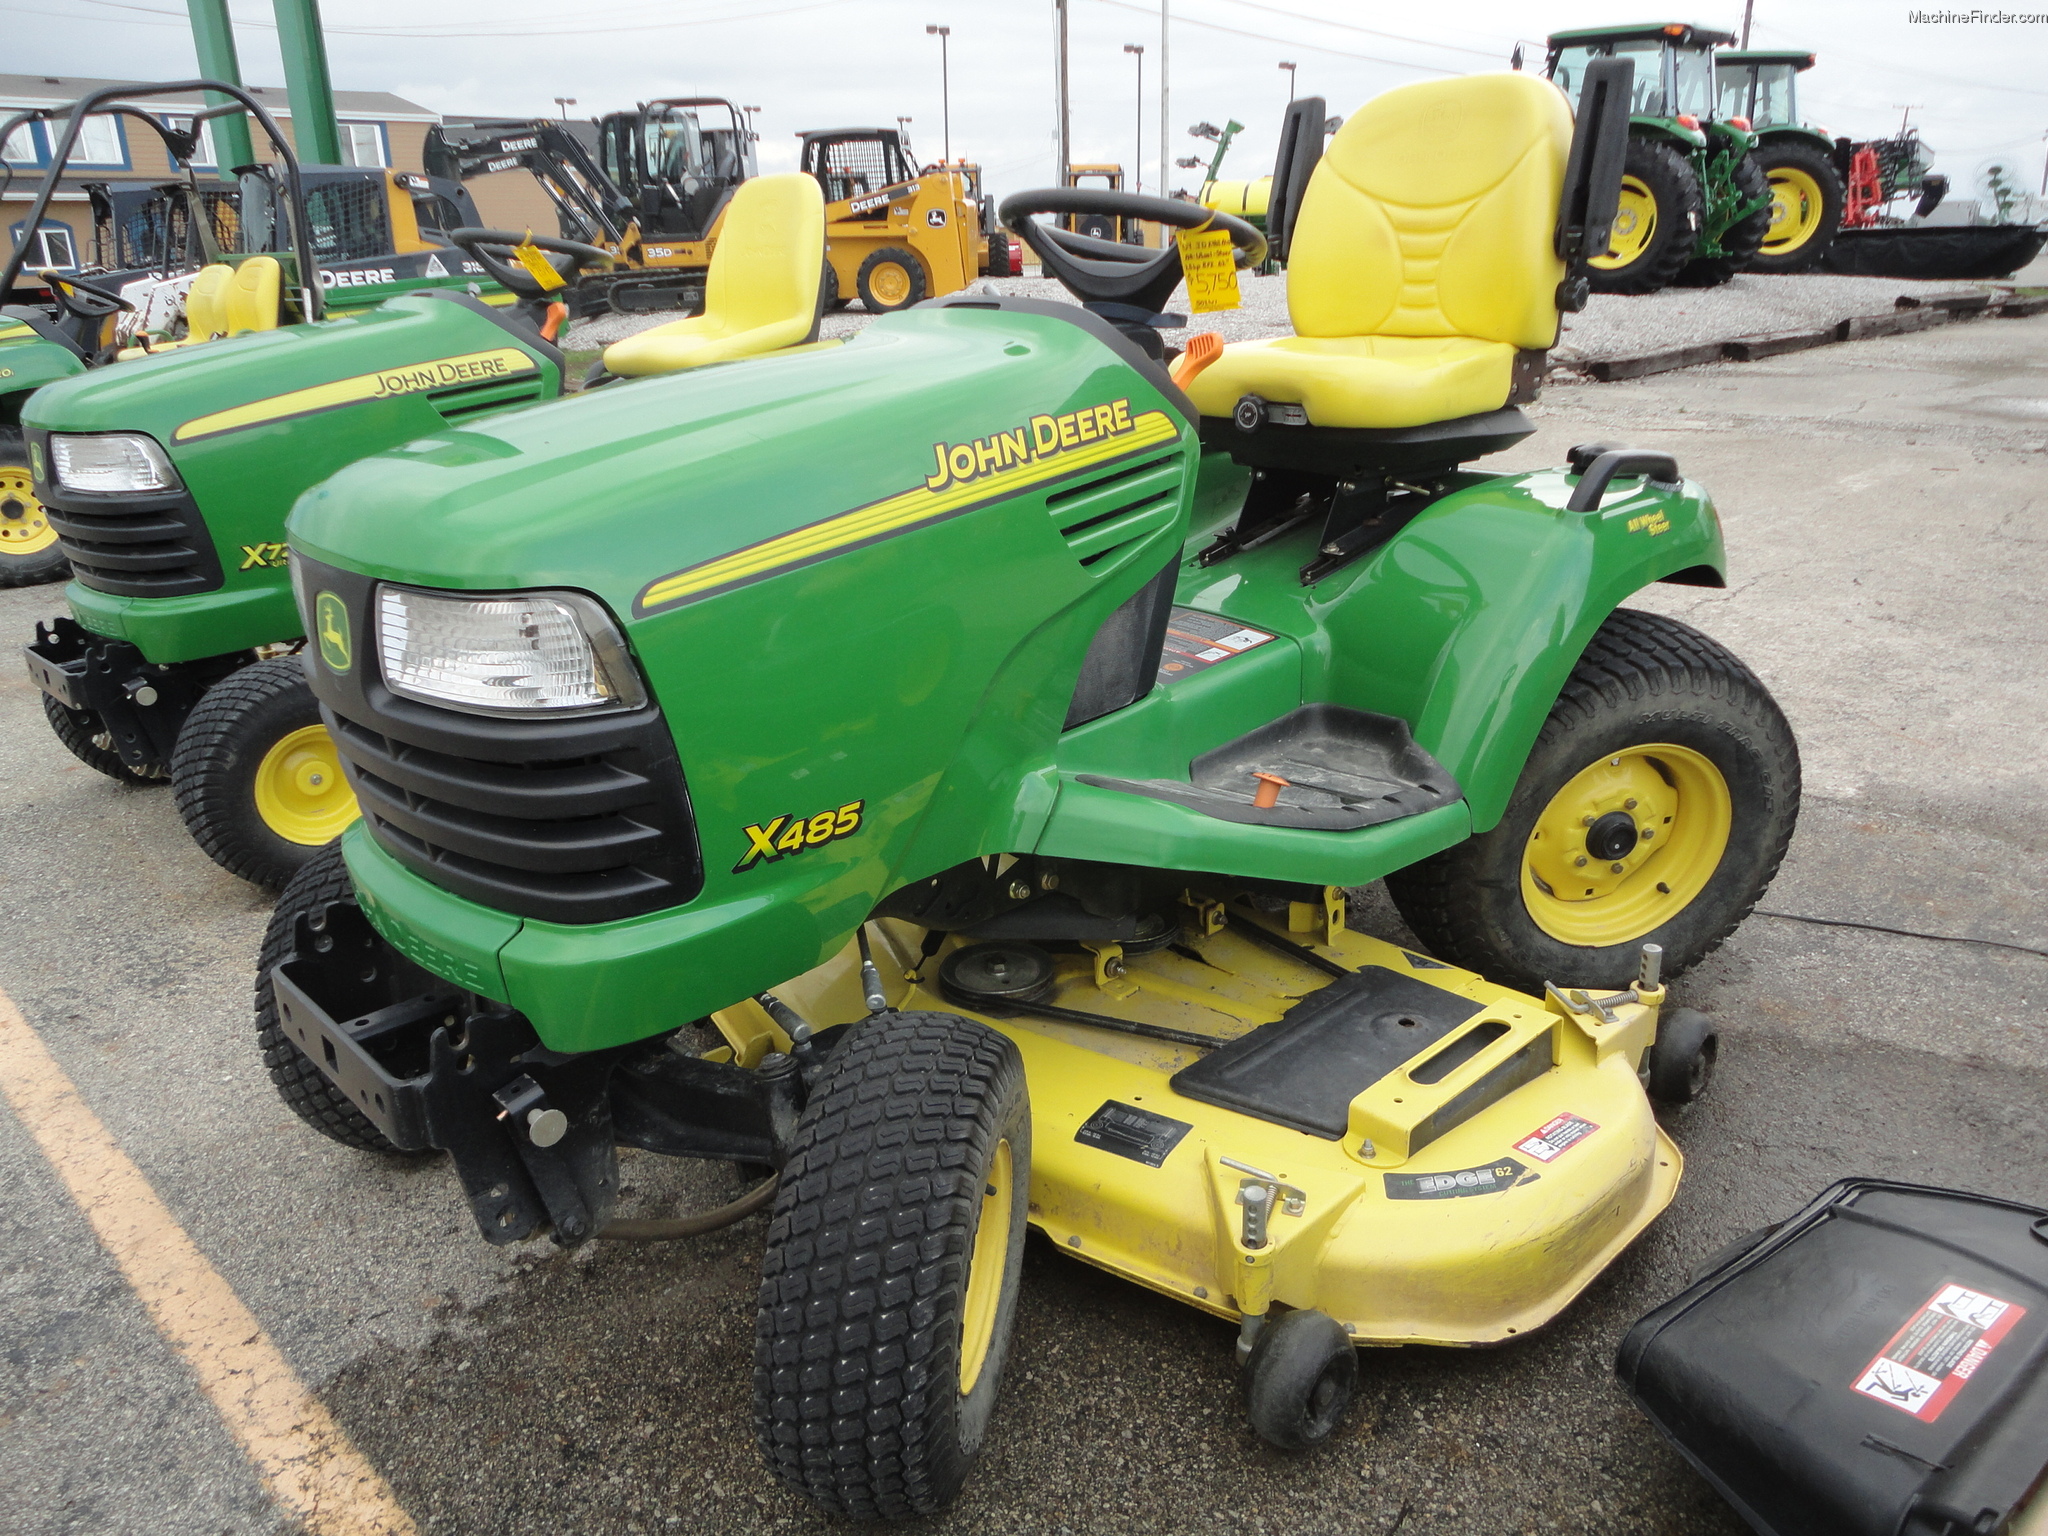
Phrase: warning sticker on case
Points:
(1196, 641)
(1926, 1363)
(1551, 1141)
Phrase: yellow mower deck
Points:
(1481, 1234)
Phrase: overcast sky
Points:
(1978, 91)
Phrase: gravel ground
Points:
(1611, 326)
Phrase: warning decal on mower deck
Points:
(1552, 1140)
(1926, 1363)
(1196, 641)
(1131, 1132)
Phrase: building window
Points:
(51, 246)
(203, 156)
(21, 148)
(363, 144)
(100, 141)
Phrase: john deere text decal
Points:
(412, 379)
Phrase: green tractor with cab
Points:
(1759, 87)
(1695, 204)
(169, 479)
(924, 772)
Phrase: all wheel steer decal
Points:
(787, 835)
(964, 476)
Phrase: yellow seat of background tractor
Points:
(225, 301)
(761, 293)
(1422, 260)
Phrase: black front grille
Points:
(135, 546)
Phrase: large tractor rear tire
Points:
(891, 279)
(1655, 808)
(87, 738)
(889, 1284)
(257, 777)
(1742, 240)
(304, 1088)
(1806, 206)
(1658, 224)
(29, 552)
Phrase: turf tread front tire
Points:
(863, 1289)
(78, 728)
(303, 1087)
(1653, 678)
(46, 564)
(214, 765)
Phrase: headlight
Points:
(520, 653)
(110, 462)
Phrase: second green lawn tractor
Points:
(169, 480)
(1759, 88)
(1695, 204)
(927, 771)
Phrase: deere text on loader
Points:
(931, 766)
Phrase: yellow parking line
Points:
(288, 1435)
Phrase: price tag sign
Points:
(530, 257)
(1211, 268)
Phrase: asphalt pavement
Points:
(1884, 503)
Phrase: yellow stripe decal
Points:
(414, 378)
(945, 493)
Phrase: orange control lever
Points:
(1268, 795)
(1202, 349)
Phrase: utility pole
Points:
(1060, 78)
(1163, 150)
(945, 90)
(213, 37)
(2044, 167)
(1748, 6)
(315, 135)
(1138, 155)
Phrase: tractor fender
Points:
(1469, 622)
(1688, 140)
(26, 365)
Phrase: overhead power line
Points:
(1496, 54)
(1267, 37)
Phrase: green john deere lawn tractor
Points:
(1695, 204)
(182, 263)
(169, 479)
(1759, 87)
(929, 767)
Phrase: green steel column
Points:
(214, 39)
(315, 135)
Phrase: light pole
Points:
(753, 135)
(1138, 161)
(565, 103)
(903, 137)
(1164, 178)
(1284, 64)
(945, 89)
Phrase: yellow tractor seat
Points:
(762, 292)
(1421, 262)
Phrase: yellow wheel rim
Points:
(985, 1270)
(24, 530)
(1626, 845)
(1635, 225)
(889, 283)
(300, 792)
(1796, 210)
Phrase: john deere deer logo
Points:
(330, 623)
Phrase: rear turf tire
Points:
(1806, 192)
(302, 1086)
(1742, 240)
(257, 779)
(1659, 223)
(890, 279)
(1675, 713)
(29, 551)
(889, 1284)
(86, 737)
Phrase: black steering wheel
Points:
(1107, 274)
(567, 257)
(89, 301)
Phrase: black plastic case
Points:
(1872, 1367)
